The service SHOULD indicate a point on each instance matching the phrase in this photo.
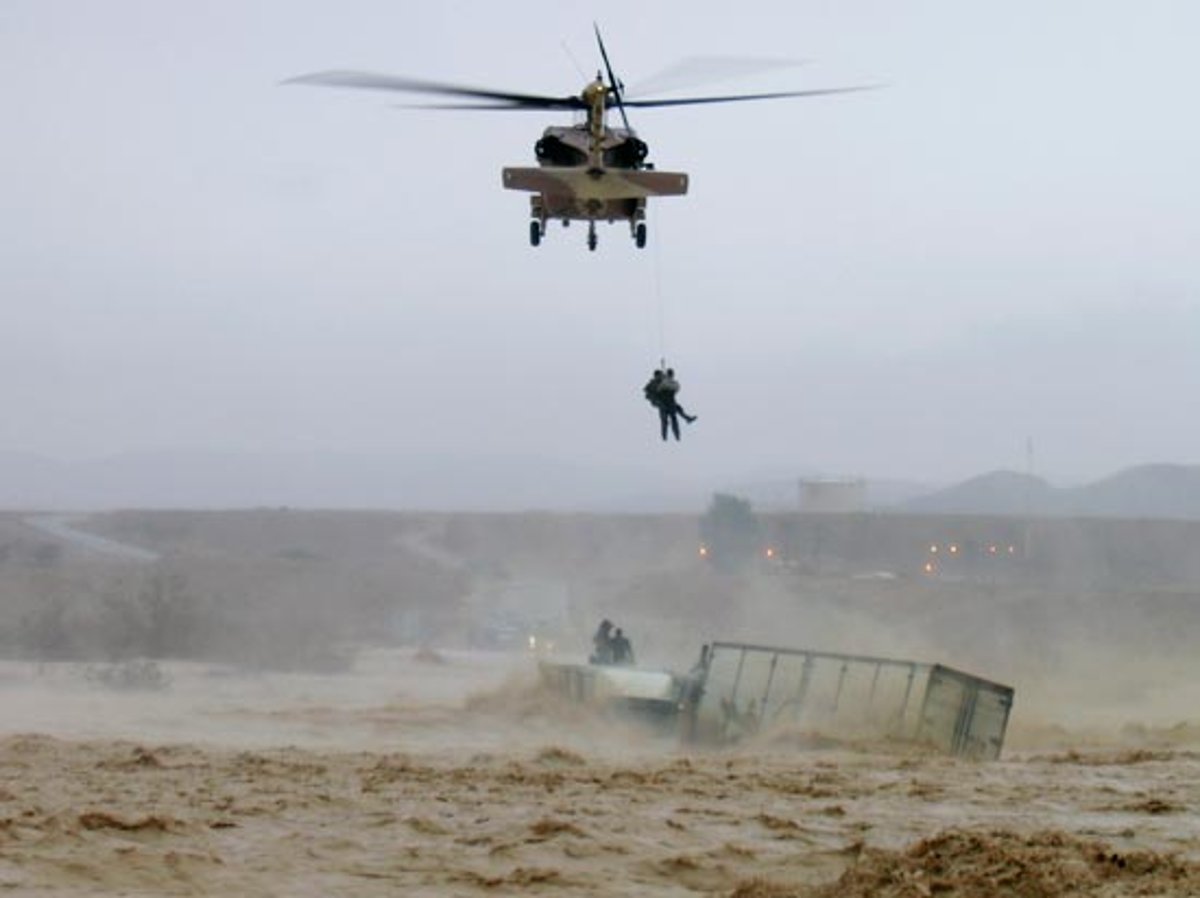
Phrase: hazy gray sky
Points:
(1001, 244)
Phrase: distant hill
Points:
(1000, 492)
(1168, 492)
(449, 482)
(1148, 491)
(391, 480)
(366, 480)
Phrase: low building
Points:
(833, 496)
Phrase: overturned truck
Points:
(738, 690)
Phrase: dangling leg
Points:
(674, 424)
(662, 421)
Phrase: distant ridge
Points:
(1147, 491)
(1000, 492)
(1157, 491)
(411, 481)
(355, 480)
(395, 480)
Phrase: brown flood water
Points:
(453, 774)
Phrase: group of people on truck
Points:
(610, 646)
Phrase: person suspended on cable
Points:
(669, 409)
(650, 391)
(654, 395)
(670, 387)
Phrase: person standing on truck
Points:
(622, 650)
(602, 644)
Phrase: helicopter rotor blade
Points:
(375, 81)
(474, 107)
(695, 71)
(617, 87)
(738, 98)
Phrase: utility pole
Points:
(1028, 496)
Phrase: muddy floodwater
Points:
(454, 774)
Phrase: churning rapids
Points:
(454, 774)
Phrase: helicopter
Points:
(586, 171)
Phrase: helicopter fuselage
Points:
(586, 171)
(590, 172)
(617, 151)
(570, 146)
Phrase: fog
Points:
(348, 596)
(195, 693)
(379, 458)
(908, 282)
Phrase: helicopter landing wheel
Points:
(639, 235)
(535, 232)
(592, 240)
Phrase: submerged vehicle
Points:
(738, 691)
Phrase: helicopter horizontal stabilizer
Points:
(602, 184)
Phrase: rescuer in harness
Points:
(662, 391)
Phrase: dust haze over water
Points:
(329, 732)
(904, 283)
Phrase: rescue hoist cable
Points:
(661, 301)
